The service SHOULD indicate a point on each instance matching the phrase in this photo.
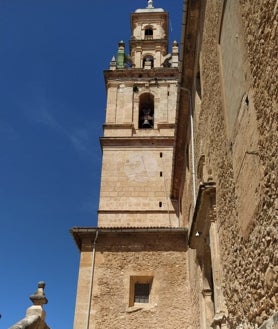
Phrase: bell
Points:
(146, 124)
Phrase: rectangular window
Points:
(140, 290)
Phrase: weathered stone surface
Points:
(162, 258)
(271, 323)
(35, 314)
(242, 156)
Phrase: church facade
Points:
(187, 231)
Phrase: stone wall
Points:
(248, 247)
(135, 184)
(162, 257)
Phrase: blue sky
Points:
(52, 106)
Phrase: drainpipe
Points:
(192, 150)
(92, 279)
(192, 145)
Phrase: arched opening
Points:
(146, 111)
(148, 61)
(148, 33)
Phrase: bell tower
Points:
(139, 128)
(133, 265)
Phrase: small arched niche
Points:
(146, 111)
(148, 61)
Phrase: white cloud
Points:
(80, 139)
(42, 115)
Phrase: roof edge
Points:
(79, 233)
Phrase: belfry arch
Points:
(148, 32)
(148, 61)
(146, 111)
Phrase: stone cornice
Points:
(129, 74)
(186, 80)
(85, 236)
(137, 141)
(151, 43)
(136, 211)
(204, 205)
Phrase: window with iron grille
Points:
(141, 292)
(140, 289)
